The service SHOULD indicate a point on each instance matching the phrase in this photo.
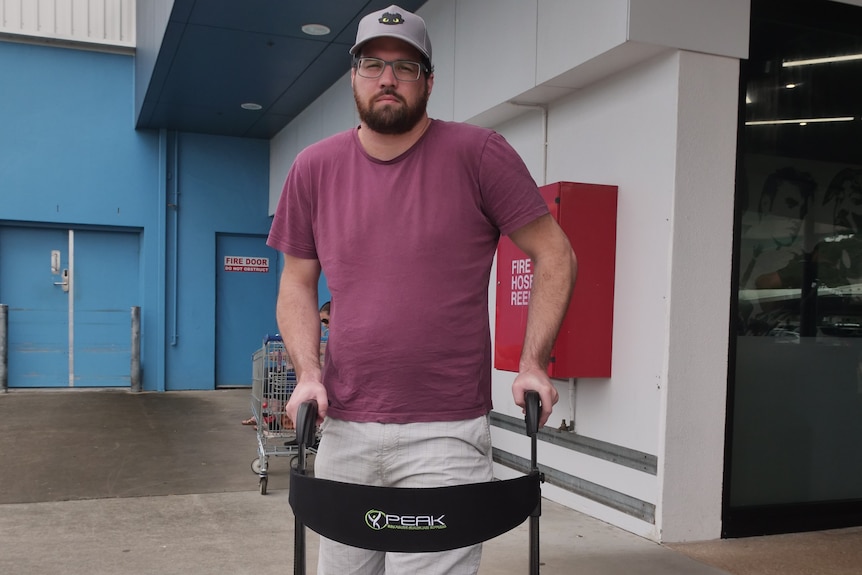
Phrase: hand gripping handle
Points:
(306, 422)
(532, 404)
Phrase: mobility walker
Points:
(412, 520)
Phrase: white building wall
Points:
(601, 134)
(332, 112)
(660, 123)
(693, 415)
(93, 23)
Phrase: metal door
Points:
(69, 294)
(38, 320)
(106, 286)
(246, 290)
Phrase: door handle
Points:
(65, 283)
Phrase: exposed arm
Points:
(299, 323)
(554, 271)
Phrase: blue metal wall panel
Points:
(72, 158)
(222, 184)
(70, 151)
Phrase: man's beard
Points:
(390, 119)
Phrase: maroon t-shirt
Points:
(406, 247)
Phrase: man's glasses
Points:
(324, 321)
(404, 70)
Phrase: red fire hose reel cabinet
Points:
(588, 215)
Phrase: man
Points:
(324, 321)
(777, 238)
(403, 215)
(828, 276)
(845, 190)
(784, 204)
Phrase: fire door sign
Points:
(246, 264)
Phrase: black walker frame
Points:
(412, 520)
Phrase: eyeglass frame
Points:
(424, 66)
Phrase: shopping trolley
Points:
(273, 381)
(441, 518)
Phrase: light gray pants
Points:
(402, 455)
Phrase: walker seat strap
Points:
(413, 520)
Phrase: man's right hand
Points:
(306, 391)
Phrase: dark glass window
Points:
(795, 417)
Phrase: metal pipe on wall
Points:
(71, 297)
(174, 216)
(543, 108)
(158, 370)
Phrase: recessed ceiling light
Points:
(316, 29)
(250, 106)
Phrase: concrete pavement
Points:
(109, 482)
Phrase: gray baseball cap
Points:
(394, 22)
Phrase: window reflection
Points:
(801, 268)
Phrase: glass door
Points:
(795, 408)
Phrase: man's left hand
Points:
(537, 380)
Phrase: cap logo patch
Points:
(390, 18)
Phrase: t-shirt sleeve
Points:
(510, 196)
(292, 231)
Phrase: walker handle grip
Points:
(532, 403)
(306, 421)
